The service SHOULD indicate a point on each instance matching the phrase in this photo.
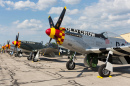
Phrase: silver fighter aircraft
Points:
(105, 46)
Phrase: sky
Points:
(30, 17)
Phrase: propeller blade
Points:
(60, 18)
(17, 36)
(50, 41)
(50, 22)
(8, 42)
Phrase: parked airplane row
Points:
(106, 46)
(29, 47)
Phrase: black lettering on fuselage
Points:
(80, 32)
(117, 44)
(120, 44)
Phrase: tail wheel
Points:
(70, 65)
(103, 72)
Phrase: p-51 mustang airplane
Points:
(27, 46)
(34, 48)
(104, 46)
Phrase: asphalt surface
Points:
(15, 71)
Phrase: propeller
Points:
(16, 43)
(7, 45)
(55, 31)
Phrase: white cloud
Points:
(55, 10)
(32, 24)
(24, 4)
(40, 5)
(71, 1)
(43, 4)
(16, 22)
(82, 18)
(58, 10)
(106, 15)
(2, 3)
(128, 21)
(72, 12)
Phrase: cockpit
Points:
(111, 35)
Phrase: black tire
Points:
(70, 65)
(103, 72)
(15, 55)
(35, 60)
(29, 58)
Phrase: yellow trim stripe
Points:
(53, 31)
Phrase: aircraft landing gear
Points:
(91, 61)
(70, 65)
(105, 69)
(16, 55)
(36, 56)
(30, 57)
(103, 72)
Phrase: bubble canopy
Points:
(111, 35)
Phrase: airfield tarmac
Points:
(15, 71)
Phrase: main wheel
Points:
(90, 61)
(16, 55)
(103, 72)
(29, 58)
(70, 65)
(35, 60)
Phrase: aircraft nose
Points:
(48, 31)
(13, 42)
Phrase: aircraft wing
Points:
(117, 51)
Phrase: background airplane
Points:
(34, 48)
(104, 46)
(3, 48)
